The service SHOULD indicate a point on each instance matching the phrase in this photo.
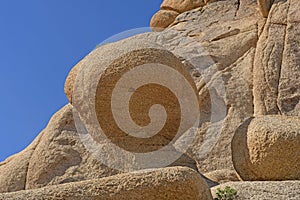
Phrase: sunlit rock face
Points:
(241, 60)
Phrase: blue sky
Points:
(40, 41)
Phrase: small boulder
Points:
(222, 176)
(162, 19)
(268, 148)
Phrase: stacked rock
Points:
(170, 9)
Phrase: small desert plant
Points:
(227, 194)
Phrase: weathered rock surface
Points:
(181, 6)
(252, 56)
(277, 68)
(168, 183)
(218, 44)
(234, 47)
(287, 190)
(268, 148)
(101, 76)
(57, 156)
(60, 157)
(223, 176)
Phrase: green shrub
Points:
(227, 194)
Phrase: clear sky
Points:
(40, 41)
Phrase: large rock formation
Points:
(229, 45)
(218, 45)
(243, 57)
(61, 155)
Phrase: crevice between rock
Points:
(33, 150)
(238, 3)
(282, 54)
(170, 9)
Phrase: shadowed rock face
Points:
(264, 6)
(244, 66)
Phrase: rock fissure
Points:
(27, 167)
(282, 57)
(228, 34)
(170, 8)
(252, 85)
(238, 4)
